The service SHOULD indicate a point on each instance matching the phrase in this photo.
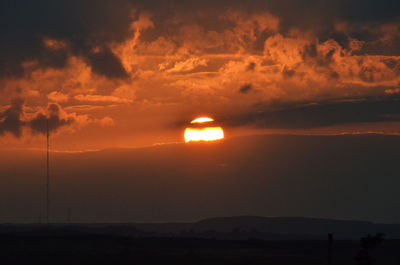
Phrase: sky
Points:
(129, 73)
(306, 91)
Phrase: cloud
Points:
(106, 121)
(105, 62)
(15, 119)
(53, 119)
(187, 65)
(10, 119)
(92, 24)
(180, 56)
(101, 99)
(245, 88)
(58, 96)
(54, 36)
(251, 66)
(321, 115)
(392, 91)
(54, 44)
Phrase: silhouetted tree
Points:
(368, 244)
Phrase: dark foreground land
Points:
(72, 245)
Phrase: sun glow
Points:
(199, 131)
(204, 134)
(202, 120)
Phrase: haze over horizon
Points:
(352, 177)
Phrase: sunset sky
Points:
(307, 93)
(135, 73)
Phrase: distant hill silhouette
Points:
(240, 227)
(194, 243)
(275, 228)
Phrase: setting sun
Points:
(203, 133)
(202, 120)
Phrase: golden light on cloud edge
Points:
(204, 134)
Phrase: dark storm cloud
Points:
(12, 119)
(106, 63)
(311, 15)
(292, 10)
(319, 115)
(82, 24)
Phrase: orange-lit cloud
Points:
(57, 96)
(54, 44)
(101, 98)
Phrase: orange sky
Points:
(237, 65)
